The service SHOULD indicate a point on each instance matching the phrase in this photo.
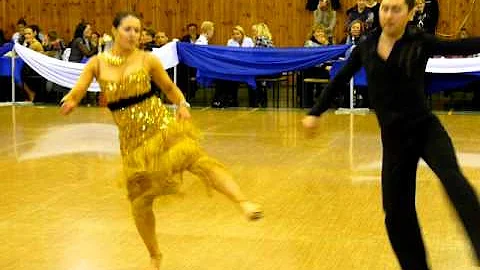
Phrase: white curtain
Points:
(66, 73)
(453, 65)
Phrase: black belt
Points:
(126, 102)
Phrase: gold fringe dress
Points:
(155, 147)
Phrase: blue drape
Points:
(5, 48)
(244, 64)
(6, 68)
(6, 63)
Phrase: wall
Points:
(288, 19)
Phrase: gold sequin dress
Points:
(154, 145)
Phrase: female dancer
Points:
(155, 145)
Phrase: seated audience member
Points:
(316, 38)
(161, 39)
(226, 92)
(360, 12)
(206, 32)
(192, 35)
(32, 82)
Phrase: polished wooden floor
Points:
(61, 207)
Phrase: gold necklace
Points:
(116, 60)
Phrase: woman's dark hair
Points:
(35, 28)
(22, 21)
(122, 15)
(32, 27)
(80, 29)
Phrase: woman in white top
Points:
(207, 28)
(226, 92)
(239, 39)
(263, 39)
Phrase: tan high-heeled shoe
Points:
(251, 210)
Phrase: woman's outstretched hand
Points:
(183, 113)
(67, 106)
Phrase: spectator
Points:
(192, 35)
(327, 17)
(81, 46)
(207, 29)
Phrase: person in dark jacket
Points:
(426, 15)
(395, 58)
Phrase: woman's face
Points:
(20, 27)
(127, 34)
(320, 36)
(88, 31)
(356, 29)
(237, 35)
(28, 34)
